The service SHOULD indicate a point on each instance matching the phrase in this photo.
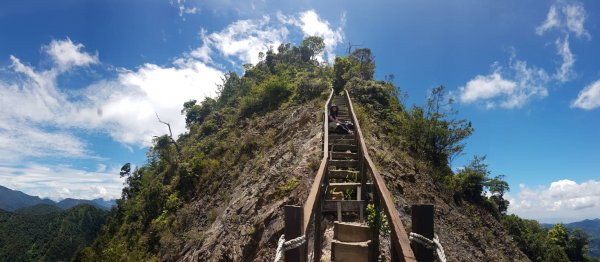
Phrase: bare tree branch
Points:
(170, 133)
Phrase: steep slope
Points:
(468, 231)
(217, 192)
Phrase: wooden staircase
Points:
(344, 192)
(347, 179)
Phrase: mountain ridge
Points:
(12, 200)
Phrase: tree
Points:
(311, 46)
(497, 188)
(558, 235)
(472, 179)
(365, 62)
(197, 113)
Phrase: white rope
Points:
(283, 245)
(431, 245)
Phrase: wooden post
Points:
(317, 233)
(293, 219)
(375, 246)
(422, 224)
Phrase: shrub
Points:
(265, 97)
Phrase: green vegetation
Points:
(154, 217)
(159, 214)
(46, 233)
(555, 244)
(432, 136)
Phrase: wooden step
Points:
(335, 135)
(344, 186)
(351, 232)
(355, 252)
(344, 155)
(343, 163)
(341, 173)
(342, 141)
(343, 148)
(345, 205)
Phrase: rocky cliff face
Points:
(466, 231)
(245, 225)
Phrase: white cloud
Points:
(563, 200)
(59, 182)
(203, 52)
(566, 16)
(486, 87)
(38, 119)
(241, 41)
(510, 87)
(565, 72)
(589, 97)
(312, 25)
(67, 54)
(244, 39)
(126, 107)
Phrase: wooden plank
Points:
(293, 229)
(334, 136)
(346, 205)
(344, 148)
(399, 236)
(343, 173)
(350, 252)
(316, 188)
(343, 163)
(351, 232)
(342, 141)
(422, 224)
(344, 186)
(344, 155)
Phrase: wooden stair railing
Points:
(298, 219)
(401, 250)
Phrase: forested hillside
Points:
(217, 192)
(47, 233)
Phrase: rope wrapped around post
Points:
(430, 244)
(283, 245)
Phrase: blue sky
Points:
(81, 81)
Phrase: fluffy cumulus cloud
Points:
(510, 87)
(562, 201)
(35, 109)
(40, 120)
(589, 97)
(312, 25)
(242, 41)
(67, 54)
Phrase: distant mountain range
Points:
(11, 200)
(591, 227)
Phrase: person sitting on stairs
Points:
(336, 125)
